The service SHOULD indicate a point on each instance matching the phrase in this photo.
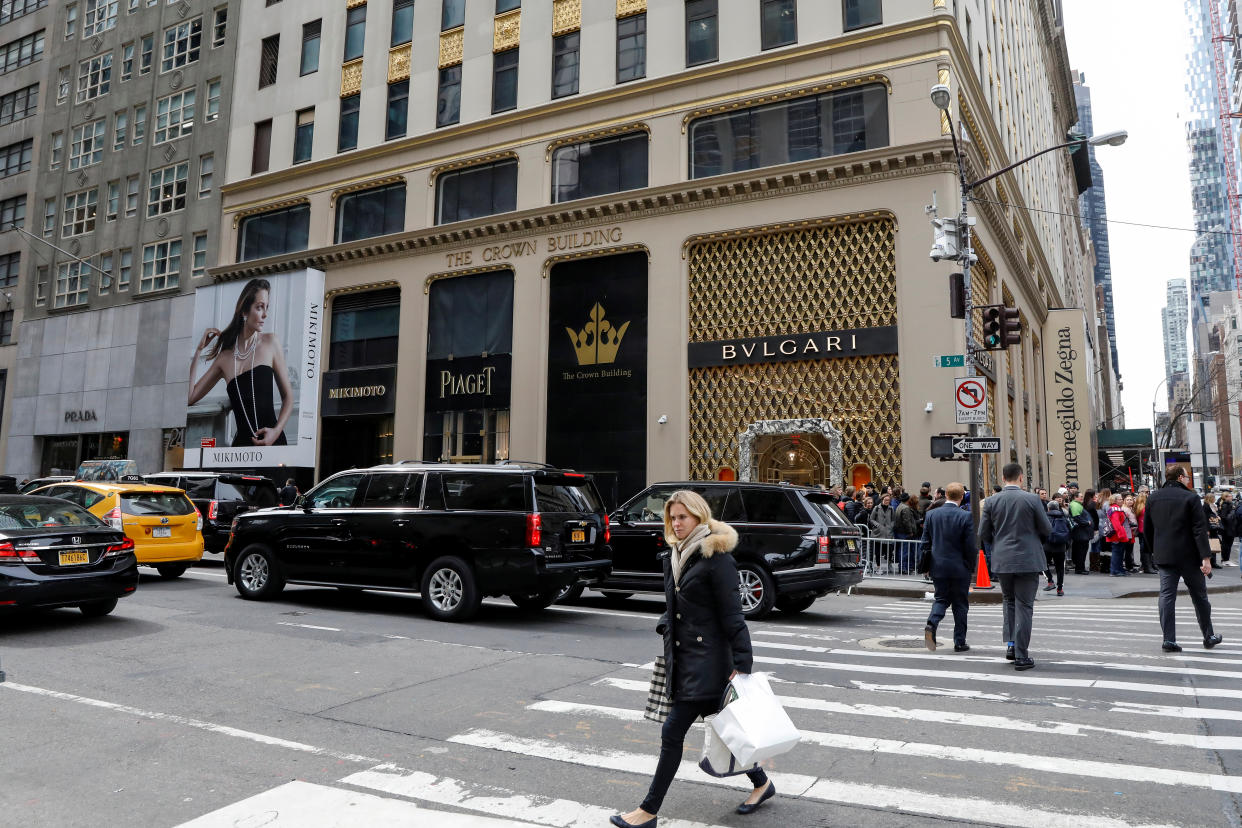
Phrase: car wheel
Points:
(171, 570)
(795, 605)
(256, 575)
(449, 590)
(97, 609)
(570, 594)
(613, 595)
(756, 589)
(535, 600)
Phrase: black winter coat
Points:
(1175, 527)
(705, 634)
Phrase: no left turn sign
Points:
(970, 399)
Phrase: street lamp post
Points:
(1155, 445)
(941, 97)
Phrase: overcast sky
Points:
(1133, 54)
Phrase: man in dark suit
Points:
(1177, 534)
(1016, 525)
(950, 537)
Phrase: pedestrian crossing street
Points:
(1107, 731)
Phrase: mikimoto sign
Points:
(1068, 384)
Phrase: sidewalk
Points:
(1095, 585)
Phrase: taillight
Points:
(534, 529)
(607, 533)
(213, 510)
(121, 548)
(113, 518)
(7, 553)
(824, 544)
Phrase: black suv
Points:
(220, 497)
(794, 545)
(453, 533)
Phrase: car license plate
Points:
(853, 546)
(76, 556)
(161, 532)
(577, 536)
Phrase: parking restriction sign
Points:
(970, 397)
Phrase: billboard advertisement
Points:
(1069, 383)
(257, 353)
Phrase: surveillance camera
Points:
(935, 254)
(929, 408)
(663, 419)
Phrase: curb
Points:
(993, 596)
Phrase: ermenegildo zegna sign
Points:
(791, 347)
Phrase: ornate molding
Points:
(353, 4)
(351, 78)
(452, 43)
(507, 31)
(399, 63)
(369, 286)
(940, 4)
(595, 253)
(591, 136)
(452, 274)
(267, 208)
(364, 185)
(944, 76)
(625, 8)
(436, 172)
(786, 94)
(786, 226)
(566, 16)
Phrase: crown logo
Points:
(599, 341)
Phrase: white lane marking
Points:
(212, 727)
(1153, 668)
(307, 626)
(904, 800)
(305, 805)
(543, 810)
(918, 690)
(208, 573)
(1177, 712)
(1015, 678)
(1194, 740)
(1039, 629)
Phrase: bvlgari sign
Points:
(790, 347)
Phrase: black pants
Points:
(1078, 551)
(672, 741)
(1196, 585)
(954, 592)
(1055, 555)
(1226, 545)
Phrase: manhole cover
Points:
(892, 643)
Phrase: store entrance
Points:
(63, 454)
(355, 442)
(799, 459)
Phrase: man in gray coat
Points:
(1015, 524)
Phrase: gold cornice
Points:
(473, 161)
(399, 63)
(971, 124)
(785, 226)
(452, 43)
(507, 31)
(452, 274)
(596, 253)
(353, 4)
(364, 185)
(795, 92)
(351, 78)
(641, 88)
(627, 8)
(266, 208)
(365, 288)
(580, 137)
(566, 16)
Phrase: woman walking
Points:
(1214, 524)
(1140, 512)
(706, 641)
(880, 521)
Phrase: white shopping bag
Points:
(754, 726)
(716, 759)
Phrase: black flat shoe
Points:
(619, 821)
(751, 808)
(1009, 653)
(1211, 641)
(961, 648)
(1024, 664)
(1171, 647)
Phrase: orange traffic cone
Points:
(982, 581)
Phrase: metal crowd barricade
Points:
(892, 558)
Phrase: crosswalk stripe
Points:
(1038, 630)
(305, 805)
(903, 800)
(489, 799)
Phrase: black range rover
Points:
(794, 545)
(452, 533)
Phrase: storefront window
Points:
(274, 233)
(812, 127)
(374, 212)
(63, 454)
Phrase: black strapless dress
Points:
(259, 409)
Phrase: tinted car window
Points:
(560, 497)
(14, 516)
(337, 493)
(204, 488)
(393, 490)
(155, 503)
(648, 508)
(484, 492)
(769, 506)
(260, 494)
(829, 511)
(724, 503)
(225, 491)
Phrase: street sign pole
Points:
(963, 223)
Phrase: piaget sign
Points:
(791, 347)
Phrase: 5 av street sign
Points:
(949, 361)
(976, 445)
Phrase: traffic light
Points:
(1011, 328)
(945, 239)
(1080, 155)
(993, 327)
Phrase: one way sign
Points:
(976, 445)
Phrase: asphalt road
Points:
(190, 705)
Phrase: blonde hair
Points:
(695, 505)
(1209, 499)
(1140, 502)
(1115, 500)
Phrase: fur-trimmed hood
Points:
(723, 538)
(706, 540)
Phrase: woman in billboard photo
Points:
(248, 360)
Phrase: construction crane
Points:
(1227, 116)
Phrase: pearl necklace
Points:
(239, 351)
(239, 359)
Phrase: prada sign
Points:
(359, 391)
(467, 383)
(791, 347)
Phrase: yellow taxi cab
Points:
(164, 525)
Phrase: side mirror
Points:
(617, 517)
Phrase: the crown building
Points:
(654, 239)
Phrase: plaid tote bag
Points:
(658, 704)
